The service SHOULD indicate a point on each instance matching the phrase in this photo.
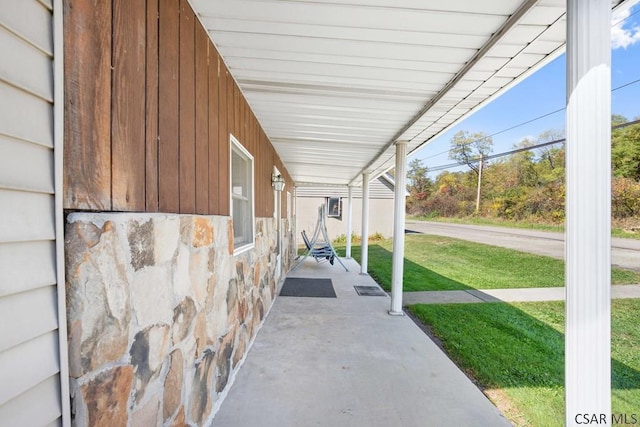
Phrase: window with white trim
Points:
(241, 196)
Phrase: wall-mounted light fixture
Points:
(277, 181)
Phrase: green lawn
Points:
(519, 349)
(442, 263)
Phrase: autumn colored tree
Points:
(471, 150)
(625, 149)
(549, 154)
(529, 184)
(419, 185)
(523, 164)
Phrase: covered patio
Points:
(344, 362)
(145, 231)
(345, 91)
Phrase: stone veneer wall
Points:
(161, 314)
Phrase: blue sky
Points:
(545, 92)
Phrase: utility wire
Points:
(625, 18)
(625, 85)
(624, 125)
(529, 121)
(547, 114)
(504, 130)
(519, 150)
(495, 156)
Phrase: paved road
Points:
(625, 253)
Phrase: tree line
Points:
(527, 185)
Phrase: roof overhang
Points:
(335, 84)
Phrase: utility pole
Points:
(479, 182)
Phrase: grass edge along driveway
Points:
(434, 263)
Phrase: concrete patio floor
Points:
(345, 362)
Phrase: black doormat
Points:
(304, 287)
(370, 291)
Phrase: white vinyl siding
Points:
(30, 21)
(18, 156)
(24, 66)
(17, 116)
(20, 410)
(30, 367)
(26, 265)
(378, 189)
(26, 216)
(241, 196)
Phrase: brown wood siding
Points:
(288, 183)
(262, 163)
(214, 140)
(283, 199)
(149, 108)
(232, 118)
(234, 106)
(223, 159)
(168, 129)
(265, 164)
(87, 127)
(187, 110)
(269, 169)
(266, 173)
(202, 119)
(259, 167)
(128, 106)
(151, 122)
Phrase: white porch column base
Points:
(349, 221)
(365, 224)
(399, 204)
(588, 210)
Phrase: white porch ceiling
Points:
(335, 83)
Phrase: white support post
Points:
(349, 221)
(365, 224)
(399, 204)
(588, 212)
